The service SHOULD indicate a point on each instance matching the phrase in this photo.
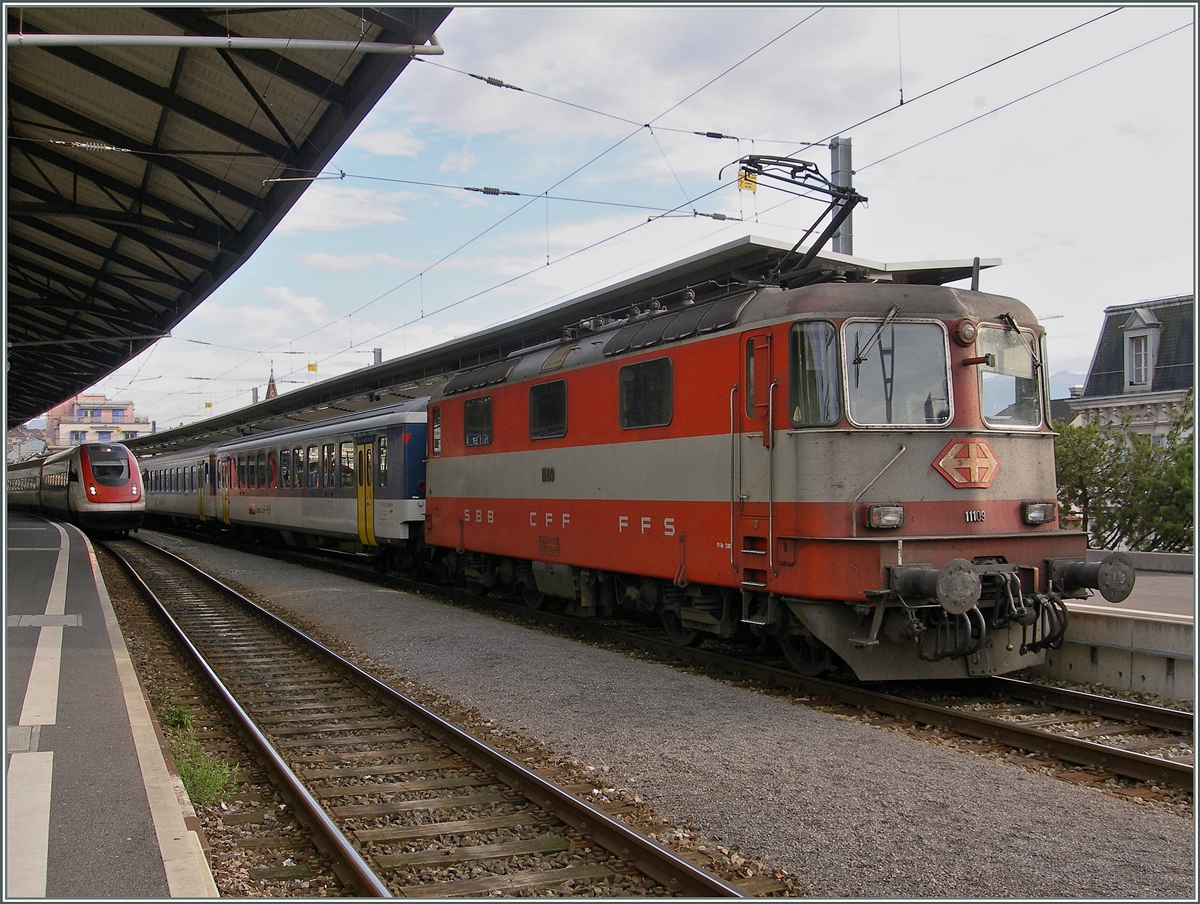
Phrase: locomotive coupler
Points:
(1113, 577)
(956, 585)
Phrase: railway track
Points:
(1118, 737)
(402, 802)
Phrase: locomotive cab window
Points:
(814, 394)
(548, 410)
(1010, 391)
(477, 421)
(896, 373)
(645, 396)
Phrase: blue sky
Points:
(1072, 161)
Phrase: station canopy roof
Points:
(150, 151)
(741, 262)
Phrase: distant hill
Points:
(1061, 383)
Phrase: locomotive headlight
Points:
(965, 332)
(1038, 512)
(885, 516)
(91, 490)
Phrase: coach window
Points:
(328, 465)
(896, 372)
(645, 394)
(273, 470)
(262, 469)
(435, 437)
(477, 421)
(813, 369)
(548, 410)
(285, 467)
(314, 467)
(347, 456)
(383, 462)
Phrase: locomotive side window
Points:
(645, 394)
(435, 437)
(896, 373)
(477, 421)
(1010, 390)
(347, 457)
(813, 367)
(548, 410)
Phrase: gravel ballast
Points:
(849, 809)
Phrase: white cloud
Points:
(396, 141)
(334, 206)
(458, 162)
(351, 263)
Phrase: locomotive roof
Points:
(644, 330)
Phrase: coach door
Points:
(752, 511)
(223, 480)
(364, 454)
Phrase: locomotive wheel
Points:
(475, 588)
(678, 634)
(805, 654)
(532, 597)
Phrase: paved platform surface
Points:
(91, 810)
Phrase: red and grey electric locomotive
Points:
(864, 472)
(96, 486)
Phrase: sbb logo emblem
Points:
(968, 463)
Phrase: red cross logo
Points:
(968, 463)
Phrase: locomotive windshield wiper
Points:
(1011, 324)
(866, 352)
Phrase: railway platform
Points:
(91, 808)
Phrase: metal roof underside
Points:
(136, 173)
(713, 272)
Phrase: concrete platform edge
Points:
(187, 869)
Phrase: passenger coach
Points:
(354, 482)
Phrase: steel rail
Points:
(347, 862)
(1129, 764)
(1174, 720)
(674, 872)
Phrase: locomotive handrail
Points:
(769, 436)
(733, 470)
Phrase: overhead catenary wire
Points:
(881, 160)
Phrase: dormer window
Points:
(1141, 349)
